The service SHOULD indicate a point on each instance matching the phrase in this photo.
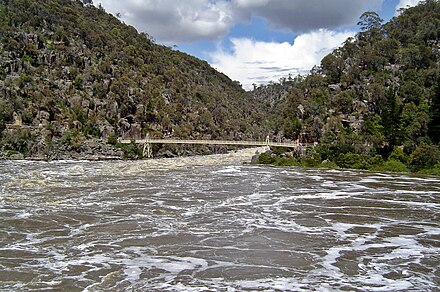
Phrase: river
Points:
(213, 224)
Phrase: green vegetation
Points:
(374, 103)
(80, 70)
(131, 151)
(435, 170)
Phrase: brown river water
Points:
(213, 224)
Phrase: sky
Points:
(252, 41)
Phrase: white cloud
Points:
(250, 3)
(254, 62)
(180, 21)
(407, 3)
(172, 21)
(305, 15)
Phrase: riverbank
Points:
(396, 162)
(90, 149)
(97, 150)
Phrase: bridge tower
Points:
(148, 150)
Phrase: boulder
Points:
(136, 131)
(17, 156)
(254, 159)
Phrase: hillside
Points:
(374, 101)
(73, 78)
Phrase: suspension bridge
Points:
(148, 152)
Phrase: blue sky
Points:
(252, 41)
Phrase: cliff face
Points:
(72, 73)
(378, 92)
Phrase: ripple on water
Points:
(210, 223)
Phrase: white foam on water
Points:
(271, 284)
(375, 266)
(413, 203)
(229, 170)
(415, 192)
(371, 180)
(328, 184)
(406, 248)
(328, 195)
(24, 215)
(157, 200)
(356, 186)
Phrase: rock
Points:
(140, 110)
(75, 101)
(85, 104)
(335, 87)
(254, 159)
(269, 152)
(166, 154)
(17, 156)
(43, 115)
(77, 125)
(136, 131)
(124, 124)
(287, 154)
(107, 131)
(301, 109)
(17, 120)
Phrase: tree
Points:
(333, 67)
(370, 20)
(292, 128)
(392, 117)
(434, 113)
(424, 156)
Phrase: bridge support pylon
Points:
(147, 151)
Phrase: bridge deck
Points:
(214, 142)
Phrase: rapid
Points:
(212, 223)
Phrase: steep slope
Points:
(70, 72)
(378, 94)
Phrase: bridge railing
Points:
(215, 142)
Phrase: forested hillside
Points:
(73, 77)
(372, 103)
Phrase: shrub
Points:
(280, 150)
(9, 153)
(398, 154)
(328, 164)
(91, 130)
(265, 158)
(284, 161)
(392, 166)
(20, 140)
(358, 161)
(435, 170)
(73, 139)
(424, 156)
(112, 139)
(311, 161)
(131, 151)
